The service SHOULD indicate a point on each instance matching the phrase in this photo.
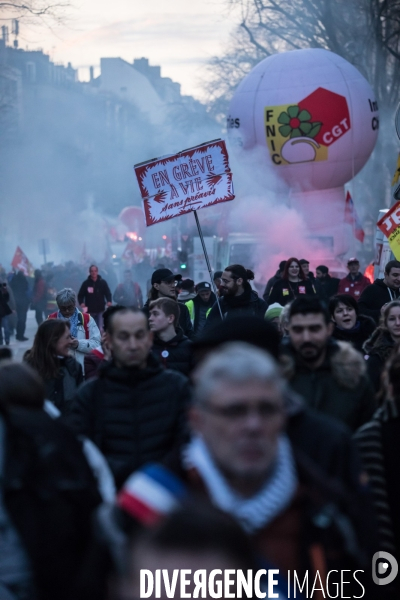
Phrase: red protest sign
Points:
(390, 221)
(192, 179)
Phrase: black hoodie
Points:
(246, 303)
(176, 354)
(374, 297)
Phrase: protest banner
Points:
(389, 224)
(185, 182)
(20, 262)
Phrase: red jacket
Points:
(353, 287)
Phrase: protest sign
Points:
(180, 183)
(389, 224)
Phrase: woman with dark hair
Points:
(293, 284)
(378, 443)
(350, 326)
(379, 347)
(50, 357)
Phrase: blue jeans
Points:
(4, 324)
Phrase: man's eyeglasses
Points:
(241, 410)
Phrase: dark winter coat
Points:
(382, 434)
(5, 310)
(96, 300)
(61, 390)
(353, 287)
(185, 322)
(378, 348)
(199, 311)
(133, 415)
(326, 287)
(50, 494)
(20, 287)
(374, 297)
(365, 326)
(284, 291)
(231, 306)
(270, 284)
(339, 387)
(176, 354)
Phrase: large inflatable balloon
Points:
(315, 119)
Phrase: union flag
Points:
(22, 263)
(351, 217)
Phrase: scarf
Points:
(73, 321)
(252, 513)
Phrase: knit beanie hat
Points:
(274, 311)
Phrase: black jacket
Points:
(61, 390)
(326, 288)
(284, 291)
(175, 354)
(365, 326)
(20, 287)
(134, 416)
(270, 284)
(50, 494)
(379, 348)
(4, 308)
(96, 300)
(343, 393)
(184, 318)
(374, 297)
(199, 305)
(231, 306)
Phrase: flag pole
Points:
(207, 261)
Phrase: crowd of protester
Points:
(205, 427)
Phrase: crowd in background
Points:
(198, 425)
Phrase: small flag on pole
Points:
(21, 262)
(351, 217)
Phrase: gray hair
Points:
(66, 297)
(235, 362)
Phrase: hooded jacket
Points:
(365, 326)
(94, 294)
(339, 387)
(247, 303)
(132, 415)
(176, 354)
(374, 297)
(378, 349)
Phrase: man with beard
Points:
(163, 285)
(237, 296)
(330, 375)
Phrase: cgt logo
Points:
(384, 568)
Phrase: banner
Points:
(389, 224)
(192, 179)
(20, 262)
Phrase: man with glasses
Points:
(85, 335)
(241, 459)
(163, 285)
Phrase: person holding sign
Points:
(237, 296)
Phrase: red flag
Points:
(21, 262)
(351, 217)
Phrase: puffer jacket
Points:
(378, 349)
(132, 415)
(339, 387)
(176, 354)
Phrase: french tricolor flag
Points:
(151, 493)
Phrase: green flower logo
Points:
(297, 123)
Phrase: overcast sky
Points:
(178, 35)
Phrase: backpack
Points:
(86, 319)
